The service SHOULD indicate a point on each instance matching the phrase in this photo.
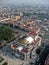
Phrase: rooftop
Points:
(27, 40)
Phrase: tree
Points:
(38, 50)
(6, 33)
(5, 63)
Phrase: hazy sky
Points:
(25, 2)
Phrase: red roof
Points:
(24, 51)
(28, 24)
(14, 46)
(33, 33)
(35, 41)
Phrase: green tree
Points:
(6, 33)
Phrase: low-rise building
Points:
(17, 18)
